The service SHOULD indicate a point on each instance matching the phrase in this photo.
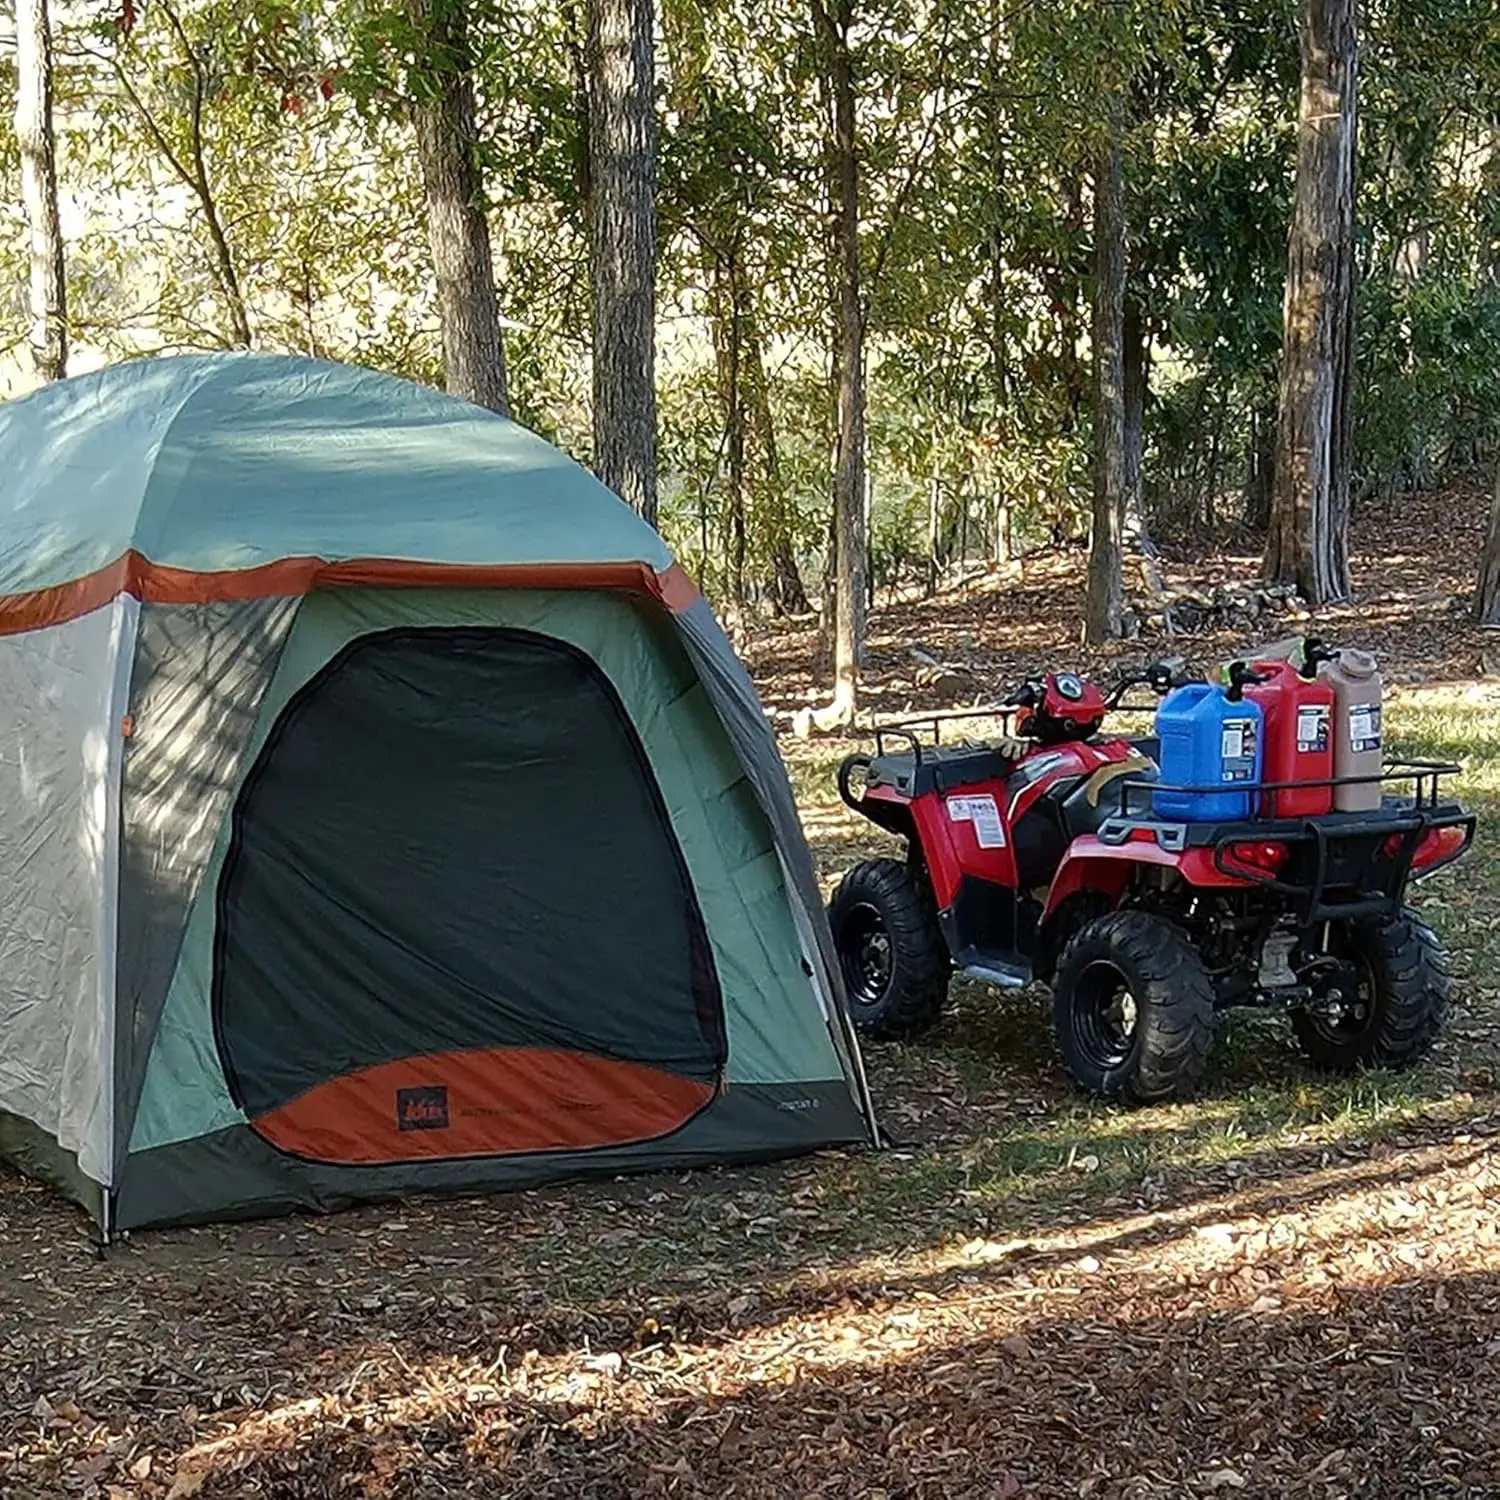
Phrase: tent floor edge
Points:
(233, 1174)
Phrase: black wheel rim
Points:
(1342, 1008)
(865, 955)
(1105, 1016)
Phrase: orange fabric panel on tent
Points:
(494, 1101)
(155, 583)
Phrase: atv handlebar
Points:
(1159, 677)
(1028, 695)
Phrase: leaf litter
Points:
(1298, 1296)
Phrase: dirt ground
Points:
(1288, 1288)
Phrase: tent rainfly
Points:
(381, 811)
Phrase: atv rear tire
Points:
(1133, 1009)
(891, 951)
(1402, 999)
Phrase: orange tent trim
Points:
(291, 577)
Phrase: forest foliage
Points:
(245, 173)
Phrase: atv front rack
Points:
(1340, 865)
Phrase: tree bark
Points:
(1259, 481)
(1136, 375)
(1104, 605)
(1489, 250)
(729, 342)
(622, 245)
(48, 332)
(788, 593)
(458, 231)
(832, 20)
(1308, 539)
(1487, 595)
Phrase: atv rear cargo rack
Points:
(1341, 865)
(905, 730)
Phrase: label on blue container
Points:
(1237, 750)
(1312, 728)
(1364, 727)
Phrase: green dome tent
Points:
(381, 811)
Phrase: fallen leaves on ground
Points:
(1331, 1332)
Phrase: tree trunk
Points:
(1489, 250)
(1487, 595)
(728, 331)
(1136, 374)
(457, 230)
(1308, 540)
(934, 512)
(832, 20)
(48, 297)
(622, 246)
(1001, 304)
(788, 593)
(1258, 484)
(1004, 543)
(1105, 601)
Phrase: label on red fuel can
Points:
(1312, 728)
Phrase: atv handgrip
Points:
(847, 767)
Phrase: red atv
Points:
(1040, 857)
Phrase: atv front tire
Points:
(1133, 1009)
(891, 951)
(1400, 985)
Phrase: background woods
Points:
(855, 295)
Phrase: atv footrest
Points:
(1003, 969)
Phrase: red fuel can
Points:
(1299, 739)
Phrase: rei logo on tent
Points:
(422, 1109)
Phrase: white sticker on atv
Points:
(1364, 727)
(983, 814)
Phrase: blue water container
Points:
(1209, 738)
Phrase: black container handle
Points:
(1241, 675)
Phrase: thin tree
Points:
(35, 138)
(458, 230)
(1487, 595)
(189, 161)
(1308, 539)
(832, 21)
(1104, 605)
(621, 71)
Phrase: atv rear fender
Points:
(1093, 865)
(883, 806)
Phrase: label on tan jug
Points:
(1312, 728)
(1364, 727)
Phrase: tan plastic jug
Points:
(1357, 692)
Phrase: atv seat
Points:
(940, 768)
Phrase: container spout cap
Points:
(1241, 675)
(1315, 653)
(1358, 663)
